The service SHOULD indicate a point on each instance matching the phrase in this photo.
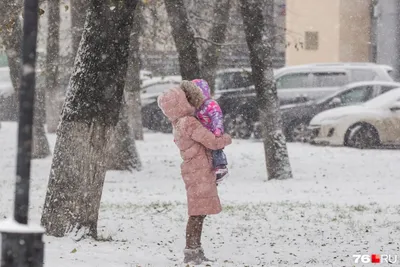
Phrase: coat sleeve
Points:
(216, 116)
(203, 136)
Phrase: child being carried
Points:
(209, 113)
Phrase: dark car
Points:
(152, 117)
(296, 117)
(241, 113)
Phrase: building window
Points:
(311, 41)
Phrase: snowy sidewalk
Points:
(341, 202)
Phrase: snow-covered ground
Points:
(341, 202)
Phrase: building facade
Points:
(328, 31)
(387, 34)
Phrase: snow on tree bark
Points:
(184, 39)
(89, 115)
(123, 155)
(78, 14)
(216, 35)
(132, 84)
(260, 41)
(52, 60)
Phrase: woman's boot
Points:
(203, 257)
(193, 256)
(193, 252)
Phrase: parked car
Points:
(374, 123)
(152, 117)
(295, 85)
(315, 81)
(296, 117)
(231, 80)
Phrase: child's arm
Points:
(217, 119)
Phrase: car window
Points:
(158, 88)
(293, 80)
(5, 76)
(242, 79)
(356, 95)
(383, 100)
(3, 60)
(233, 80)
(360, 75)
(329, 79)
(385, 89)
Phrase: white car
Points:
(374, 123)
(152, 88)
(314, 81)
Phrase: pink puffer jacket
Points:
(194, 142)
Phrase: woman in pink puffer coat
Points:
(195, 144)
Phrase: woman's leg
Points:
(194, 230)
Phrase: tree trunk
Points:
(132, 85)
(122, 149)
(90, 113)
(184, 39)
(216, 35)
(261, 46)
(40, 145)
(12, 42)
(123, 155)
(52, 61)
(78, 14)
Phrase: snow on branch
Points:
(217, 44)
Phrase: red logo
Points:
(375, 258)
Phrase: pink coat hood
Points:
(174, 104)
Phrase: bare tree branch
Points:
(217, 44)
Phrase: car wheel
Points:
(237, 126)
(298, 132)
(362, 136)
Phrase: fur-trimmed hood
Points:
(197, 92)
(193, 93)
(174, 104)
(205, 88)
